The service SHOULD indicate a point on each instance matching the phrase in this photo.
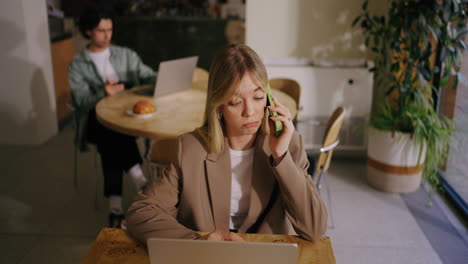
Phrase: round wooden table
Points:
(176, 113)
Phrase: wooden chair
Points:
(200, 79)
(330, 141)
(162, 153)
(288, 86)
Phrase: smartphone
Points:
(278, 124)
(127, 85)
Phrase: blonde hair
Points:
(226, 71)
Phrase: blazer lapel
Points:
(218, 174)
(263, 182)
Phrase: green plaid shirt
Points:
(87, 86)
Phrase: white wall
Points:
(320, 30)
(306, 28)
(27, 97)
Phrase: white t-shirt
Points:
(102, 61)
(241, 183)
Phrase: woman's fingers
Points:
(280, 108)
(220, 235)
(283, 115)
(235, 237)
(281, 111)
(287, 121)
(277, 103)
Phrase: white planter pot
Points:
(392, 162)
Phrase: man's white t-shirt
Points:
(241, 183)
(103, 64)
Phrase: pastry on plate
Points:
(143, 107)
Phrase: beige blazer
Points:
(194, 194)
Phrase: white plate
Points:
(131, 113)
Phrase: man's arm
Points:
(144, 72)
(84, 98)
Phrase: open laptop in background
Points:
(173, 76)
(171, 251)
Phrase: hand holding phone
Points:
(127, 84)
(111, 88)
(278, 124)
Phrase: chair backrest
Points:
(163, 152)
(331, 136)
(200, 79)
(288, 86)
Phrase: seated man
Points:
(100, 70)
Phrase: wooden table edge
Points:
(103, 236)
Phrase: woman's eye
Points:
(234, 103)
(259, 98)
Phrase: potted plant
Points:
(417, 49)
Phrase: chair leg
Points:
(147, 147)
(149, 168)
(156, 168)
(75, 169)
(95, 160)
(329, 200)
(155, 172)
(96, 194)
(330, 205)
(96, 197)
(319, 178)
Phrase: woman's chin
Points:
(250, 130)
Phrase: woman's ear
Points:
(88, 33)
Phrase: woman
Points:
(232, 175)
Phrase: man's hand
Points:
(113, 87)
(220, 235)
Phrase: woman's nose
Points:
(248, 109)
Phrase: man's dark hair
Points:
(92, 15)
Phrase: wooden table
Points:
(115, 245)
(176, 113)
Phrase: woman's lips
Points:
(252, 124)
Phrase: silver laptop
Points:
(176, 251)
(175, 75)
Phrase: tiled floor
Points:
(372, 226)
(43, 219)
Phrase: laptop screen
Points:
(175, 75)
(169, 251)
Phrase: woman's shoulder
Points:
(193, 144)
